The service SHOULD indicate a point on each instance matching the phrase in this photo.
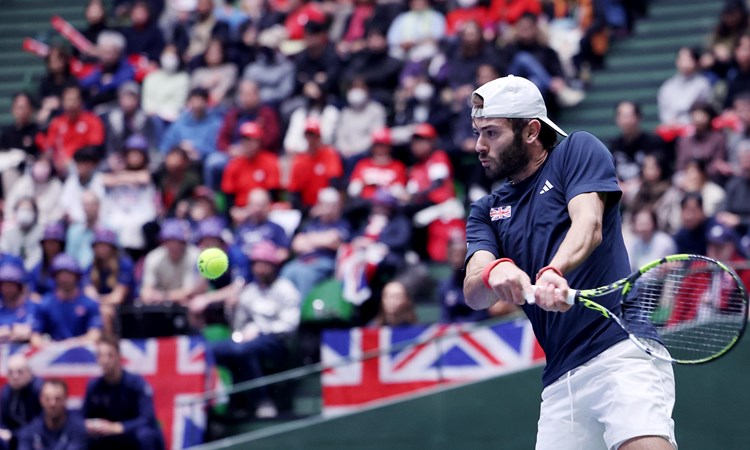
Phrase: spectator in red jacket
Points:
(253, 167)
(378, 171)
(315, 169)
(73, 129)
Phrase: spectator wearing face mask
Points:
(378, 69)
(20, 236)
(417, 102)
(362, 116)
(41, 184)
(165, 90)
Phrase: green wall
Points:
(501, 413)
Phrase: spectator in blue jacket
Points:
(196, 131)
(16, 311)
(66, 314)
(57, 428)
(113, 71)
(119, 406)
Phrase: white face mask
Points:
(466, 3)
(25, 217)
(356, 97)
(423, 91)
(169, 62)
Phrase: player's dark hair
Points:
(692, 196)
(547, 136)
(56, 382)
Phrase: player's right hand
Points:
(510, 283)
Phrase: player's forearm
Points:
(476, 293)
(582, 239)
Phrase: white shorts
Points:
(618, 395)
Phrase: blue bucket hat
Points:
(173, 229)
(105, 236)
(64, 262)
(13, 273)
(54, 231)
(136, 142)
(211, 227)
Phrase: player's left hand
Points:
(551, 292)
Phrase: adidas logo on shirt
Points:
(547, 187)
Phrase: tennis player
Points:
(555, 223)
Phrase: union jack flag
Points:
(443, 354)
(177, 369)
(501, 212)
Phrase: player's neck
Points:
(537, 159)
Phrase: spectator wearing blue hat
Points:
(41, 280)
(170, 272)
(110, 280)
(209, 306)
(66, 314)
(16, 311)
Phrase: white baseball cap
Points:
(513, 97)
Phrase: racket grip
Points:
(571, 299)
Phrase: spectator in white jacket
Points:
(268, 312)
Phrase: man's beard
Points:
(510, 161)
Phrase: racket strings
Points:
(694, 308)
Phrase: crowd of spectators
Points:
(686, 183)
(310, 140)
(117, 411)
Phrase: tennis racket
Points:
(685, 309)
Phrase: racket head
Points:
(685, 309)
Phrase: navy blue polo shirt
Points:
(528, 221)
(131, 402)
(64, 319)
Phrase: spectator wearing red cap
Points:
(379, 171)
(317, 168)
(265, 317)
(361, 117)
(253, 167)
(431, 196)
(315, 105)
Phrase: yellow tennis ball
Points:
(212, 263)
